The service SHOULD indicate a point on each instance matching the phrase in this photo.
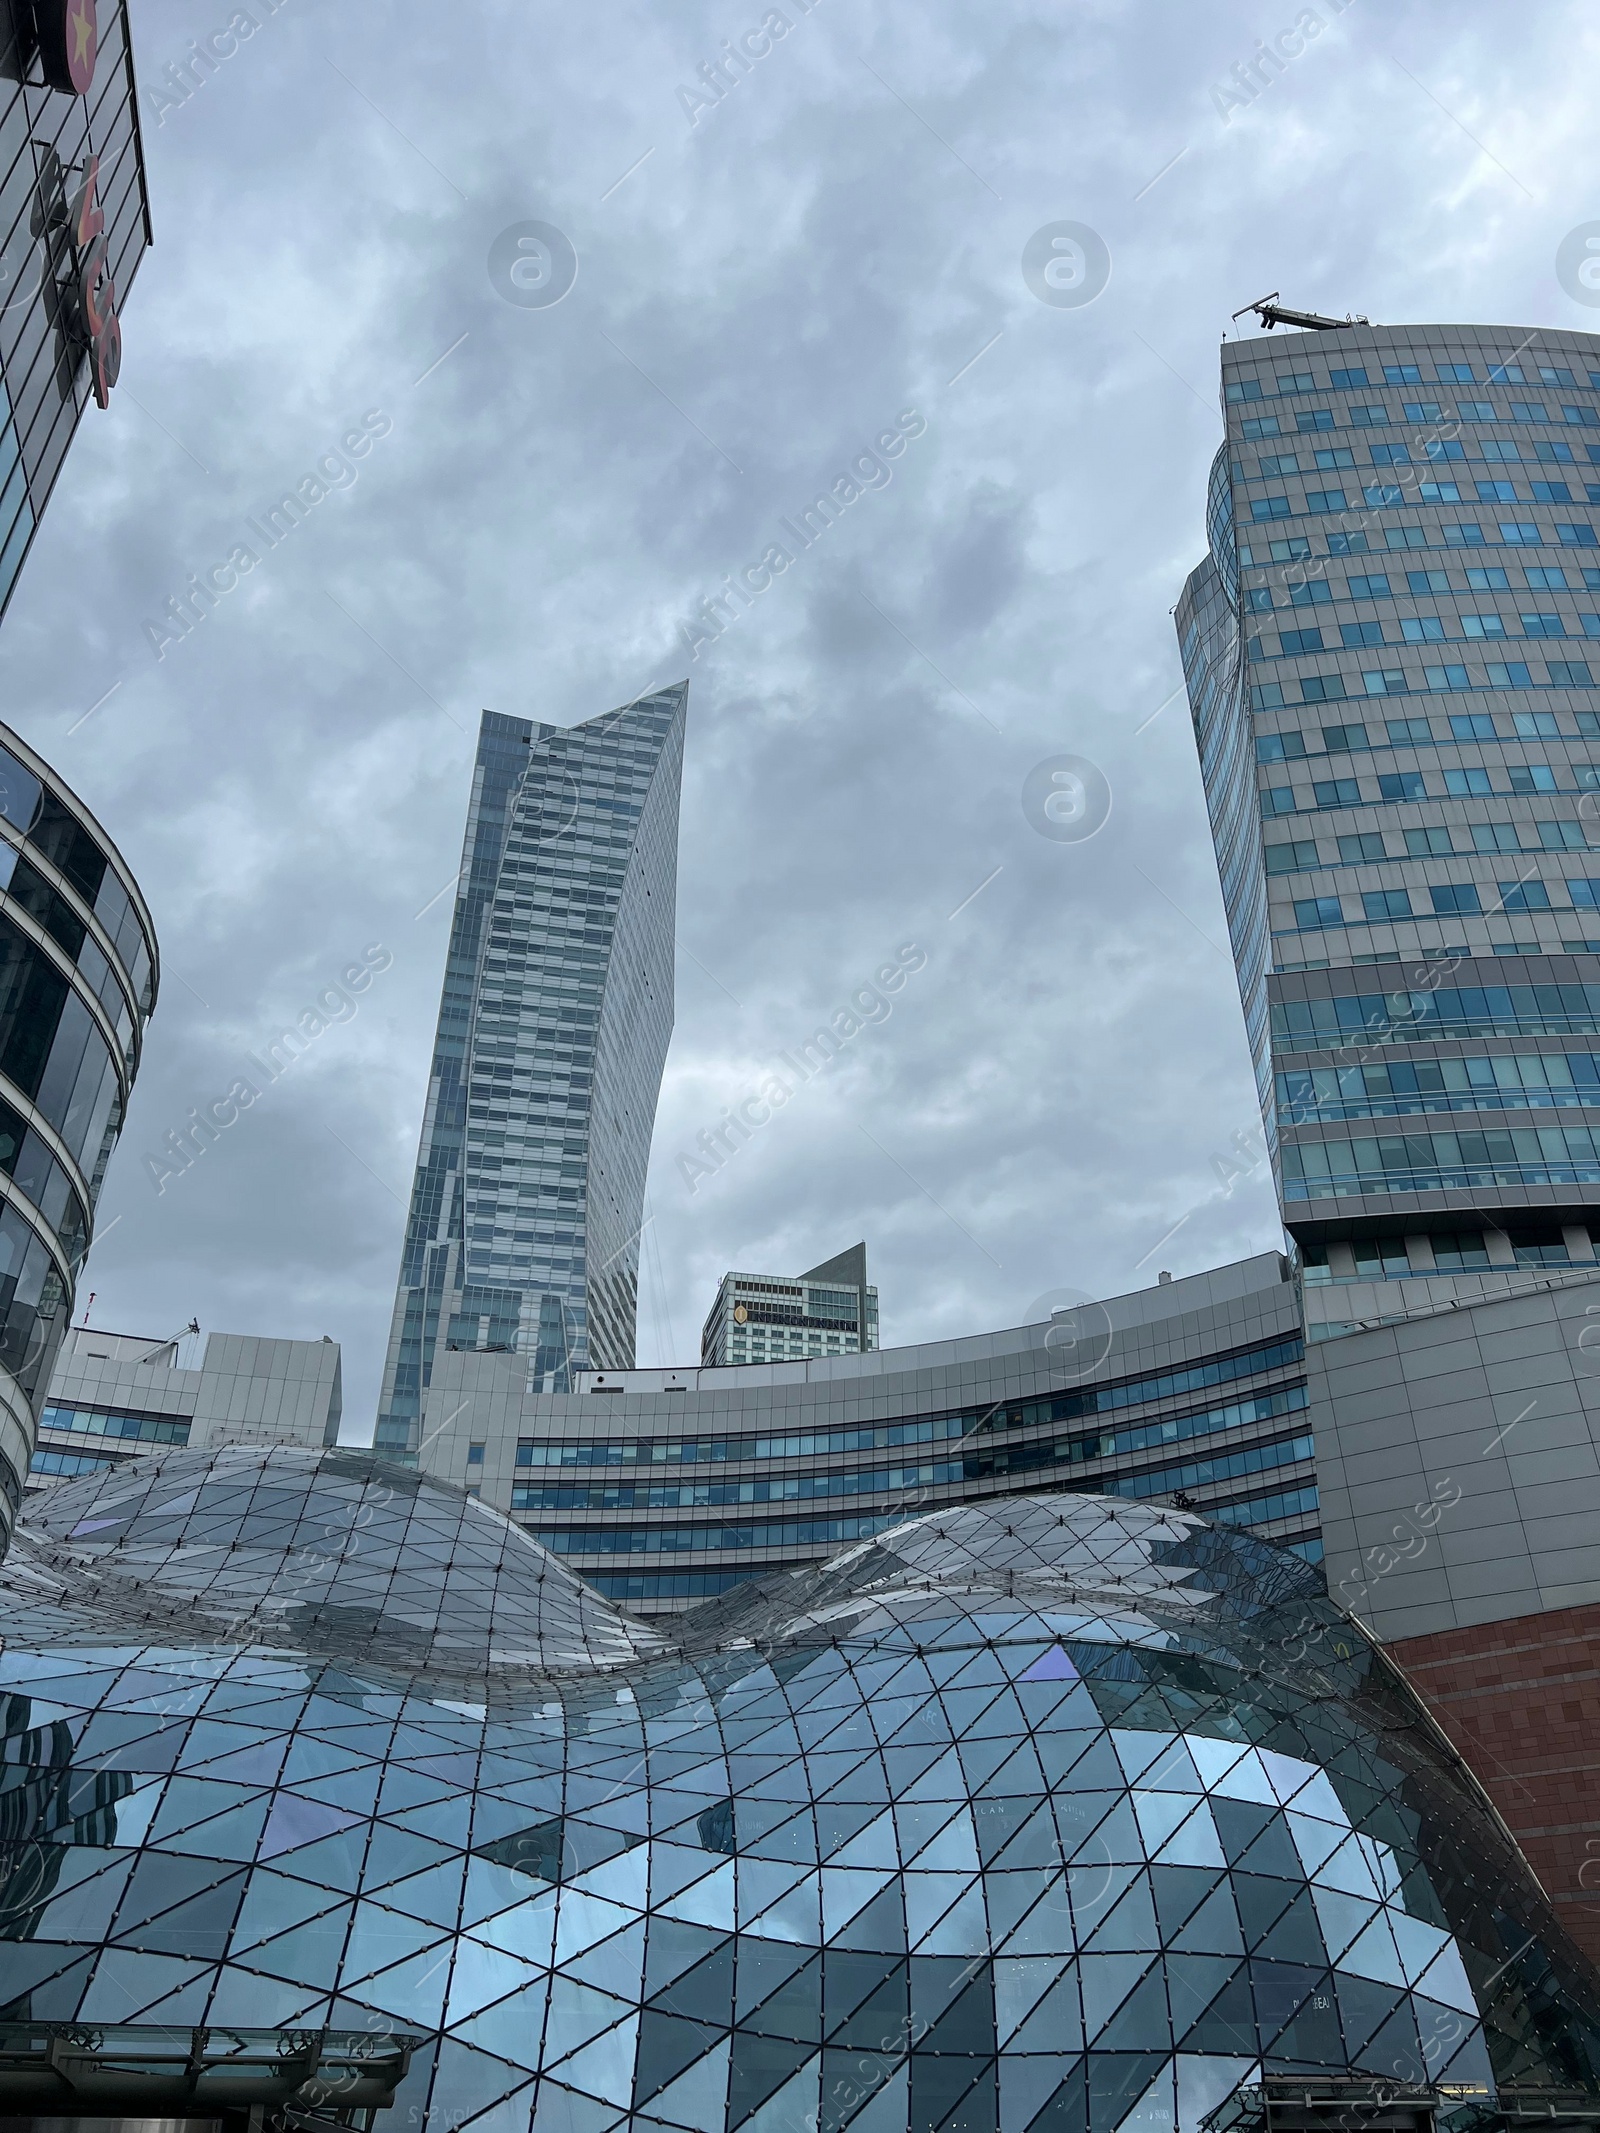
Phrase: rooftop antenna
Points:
(89, 1306)
(1271, 313)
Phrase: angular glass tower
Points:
(553, 1029)
(1389, 662)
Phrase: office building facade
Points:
(1393, 658)
(523, 1230)
(663, 1487)
(831, 1309)
(1392, 652)
(78, 978)
(78, 951)
(114, 1396)
(1067, 1813)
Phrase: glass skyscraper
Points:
(1390, 652)
(523, 1230)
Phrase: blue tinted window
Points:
(20, 792)
(1386, 903)
(1311, 912)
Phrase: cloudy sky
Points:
(764, 285)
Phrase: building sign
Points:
(69, 43)
(97, 296)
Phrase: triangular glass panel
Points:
(295, 1821)
(603, 2068)
(509, 2116)
(769, 1889)
(473, 2080)
(616, 1965)
(1106, 1981)
(559, 2109)
(511, 2028)
(789, 2109)
(254, 2002)
(1056, 2023)
(1373, 1954)
(1245, 1779)
(960, 1927)
(879, 1925)
(1195, 1842)
(307, 1956)
(483, 1975)
(707, 1901)
(1053, 1665)
(577, 2014)
(885, 2111)
(127, 1982)
(411, 1991)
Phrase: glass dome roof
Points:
(1053, 1815)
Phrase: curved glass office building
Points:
(78, 974)
(1391, 659)
(1066, 1813)
(662, 1487)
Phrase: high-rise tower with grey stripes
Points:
(523, 1230)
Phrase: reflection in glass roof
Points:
(1056, 1815)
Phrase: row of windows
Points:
(1460, 899)
(1442, 1252)
(782, 1533)
(1352, 377)
(779, 1314)
(1468, 783)
(1435, 841)
(1377, 496)
(67, 1466)
(1423, 584)
(1518, 1081)
(1431, 451)
(1491, 489)
(1354, 736)
(868, 1437)
(981, 1464)
(108, 1422)
(1340, 1167)
(1428, 629)
(1423, 1016)
(1378, 415)
(1448, 677)
(1463, 533)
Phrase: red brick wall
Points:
(1521, 1701)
